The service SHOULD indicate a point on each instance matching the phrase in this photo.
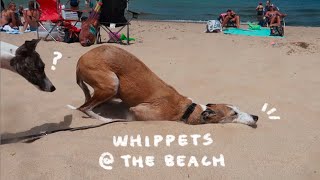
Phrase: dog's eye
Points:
(234, 113)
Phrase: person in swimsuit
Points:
(31, 16)
(274, 16)
(231, 16)
(9, 16)
(259, 9)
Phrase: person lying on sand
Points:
(274, 16)
(9, 17)
(231, 16)
(31, 16)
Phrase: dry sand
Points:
(215, 68)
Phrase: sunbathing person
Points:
(31, 16)
(9, 17)
(232, 17)
(274, 16)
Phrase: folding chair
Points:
(71, 14)
(51, 10)
(113, 15)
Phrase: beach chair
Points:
(51, 11)
(112, 16)
(276, 30)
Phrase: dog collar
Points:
(92, 30)
(188, 112)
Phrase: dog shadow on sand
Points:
(113, 109)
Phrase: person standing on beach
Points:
(267, 7)
(259, 9)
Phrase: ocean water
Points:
(300, 12)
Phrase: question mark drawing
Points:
(55, 59)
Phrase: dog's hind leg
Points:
(84, 88)
(105, 87)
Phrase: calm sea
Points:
(300, 12)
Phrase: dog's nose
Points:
(255, 118)
(88, 42)
(83, 43)
(52, 88)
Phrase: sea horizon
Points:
(299, 12)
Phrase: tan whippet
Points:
(115, 73)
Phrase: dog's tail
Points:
(83, 85)
(71, 107)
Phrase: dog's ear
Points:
(210, 104)
(208, 113)
(31, 45)
(27, 48)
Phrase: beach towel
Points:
(7, 29)
(254, 26)
(213, 26)
(263, 32)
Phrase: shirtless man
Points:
(8, 16)
(274, 16)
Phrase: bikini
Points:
(272, 15)
(32, 28)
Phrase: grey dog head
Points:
(28, 63)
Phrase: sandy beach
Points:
(209, 68)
